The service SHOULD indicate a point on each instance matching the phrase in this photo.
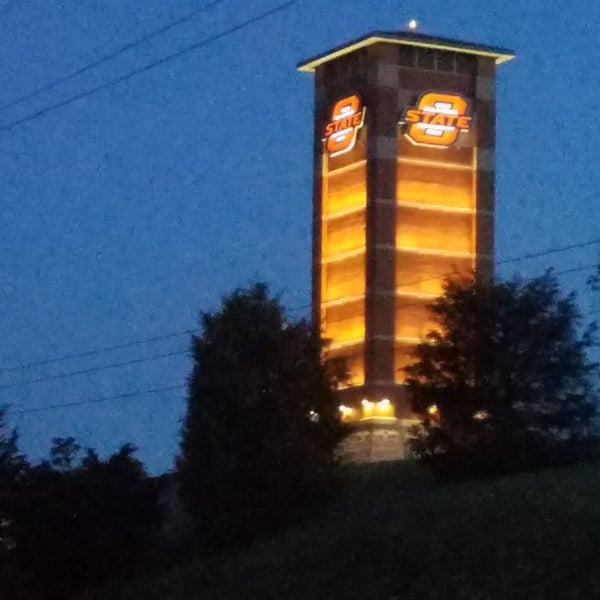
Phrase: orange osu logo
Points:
(437, 119)
(347, 117)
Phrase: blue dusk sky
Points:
(125, 213)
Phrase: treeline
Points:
(503, 382)
(73, 521)
(258, 451)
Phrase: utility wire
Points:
(98, 351)
(294, 309)
(186, 50)
(515, 259)
(551, 251)
(93, 369)
(576, 269)
(110, 55)
(117, 397)
(94, 401)
(158, 390)
(169, 354)
(121, 396)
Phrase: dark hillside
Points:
(397, 533)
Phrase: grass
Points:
(397, 533)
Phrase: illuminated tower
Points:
(404, 144)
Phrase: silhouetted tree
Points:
(504, 381)
(262, 421)
(12, 462)
(77, 525)
(63, 452)
(14, 581)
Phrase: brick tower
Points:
(404, 143)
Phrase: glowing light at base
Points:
(382, 409)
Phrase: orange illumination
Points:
(335, 257)
(437, 119)
(337, 345)
(435, 252)
(342, 301)
(402, 358)
(347, 117)
(345, 234)
(436, 207)
(415, 326)
(346, 190)
(343, 237)
(419, 184)
(383, 409)
(344, 278)
(434, 231)
(439, 164)
(345, 331)
(435, 235)
(415, 191)
(354, 365)
(424, 273)
(347, 413)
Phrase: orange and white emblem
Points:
(437, 119)
(347, 117)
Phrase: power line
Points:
(118, 396)
(551, 251)
(178, 387)
(422, 302)
(110, 55)
(576, 269)
(97, 351)
(515, 259)
(93, 369)
(296, 308)
(101, 350)
(186, 50)
(93, 401)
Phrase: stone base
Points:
(377, 440)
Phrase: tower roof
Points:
(409, 39)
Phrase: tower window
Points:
(407, 56)
(426, 59)
(465, 64)
(348, 66)
(436, 60)
(444, 61)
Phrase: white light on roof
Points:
(412, 24)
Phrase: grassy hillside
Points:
(396, 533)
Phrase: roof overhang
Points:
(500, 55)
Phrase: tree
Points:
(63, 452)
(13, 469)
(262, 422)
(504, 381)
(12, 462)
(79, 525)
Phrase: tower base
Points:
(377, 440)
